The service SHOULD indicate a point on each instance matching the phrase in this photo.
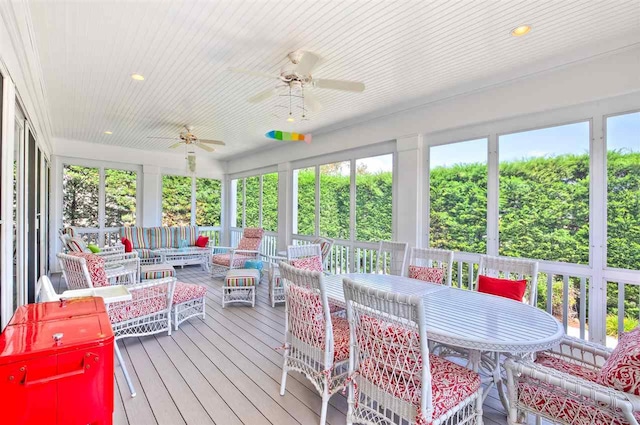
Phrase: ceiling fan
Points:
(297, 75)
(188, 138)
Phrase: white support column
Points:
(408, 198)
(287, 192)
(228, 209)
(598, 232)
(6, 214)
(493, 195)
(151, 196)
(193, 200)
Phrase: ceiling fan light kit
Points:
(189, 139)
(297, 76)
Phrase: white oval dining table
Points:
(471, 320)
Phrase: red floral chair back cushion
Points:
(251, 239)
(306, 316)
(313, 263)
(95, 265)
(622, 369)
(428, 274)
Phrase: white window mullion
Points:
(260, 204)
(193, 200)
(101, 206)
(493, 195)
(598, 230)
(352, 214)
(317, 200)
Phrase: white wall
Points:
(587, 81)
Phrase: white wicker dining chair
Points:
(505, 268)
(316, 343)
(433, 258)
(562, 386)
(147, 313)
(511, 268)
(392, 377)
(294, 252)
(325, 247)
(391, 258)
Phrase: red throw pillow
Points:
(622, 369)
(128, 246)
(202, 241)
(507, 288)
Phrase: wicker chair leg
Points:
(127, 378)
(325, 403)
(283, 382)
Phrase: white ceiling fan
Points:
(298, 75)
(188, 138)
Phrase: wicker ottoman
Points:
(156, 271)
(188, 301)
(240, 286)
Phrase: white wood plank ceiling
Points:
(403, 51)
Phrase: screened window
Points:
(305, 179)
(374, 198)
(120, 197)
(623, 181)
(176, 200)
(335, 200)
(458, 196)
(80, 186)
(270, 202)
(256, 200)
(252, 202)
(208, 202)
(544, 194)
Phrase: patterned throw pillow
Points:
(313, 264)
(428, 274)
(76, 244)
(622, 369)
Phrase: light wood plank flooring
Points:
(224, 370)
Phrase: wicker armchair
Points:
(226, 258)
(560, 386)
(316, 343)
(148, 313)
(393, 255)
(432, 257)
(392, 376)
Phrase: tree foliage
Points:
(80, 187)
(176, 200)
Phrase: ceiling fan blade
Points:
(205, 147)
(252, 73)
(306, 63)
(264, 95)
(164, 138)
(175, 145)
(311, 101)
(212, 142)
(354, 86)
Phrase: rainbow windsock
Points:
(286, 136)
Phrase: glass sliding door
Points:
(32, 216)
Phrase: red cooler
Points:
(56, 365)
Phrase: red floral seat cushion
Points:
(225, 259)
(450, 383)
(622, 369)
(144, 301)
(541, 397)
(313, 263)
(428, 274)
(188, 291)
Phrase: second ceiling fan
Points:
(298, 75)
(188, 138)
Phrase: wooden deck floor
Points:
(224, 370)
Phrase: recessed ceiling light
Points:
(521, 30)
(137, 77)
(291, 119)
(108, 132)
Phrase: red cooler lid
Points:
(56, 310)
(23, 341)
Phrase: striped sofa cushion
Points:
(188, 233)
(139, 236)
(242, 277)
(161, 237)
(156, 271)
